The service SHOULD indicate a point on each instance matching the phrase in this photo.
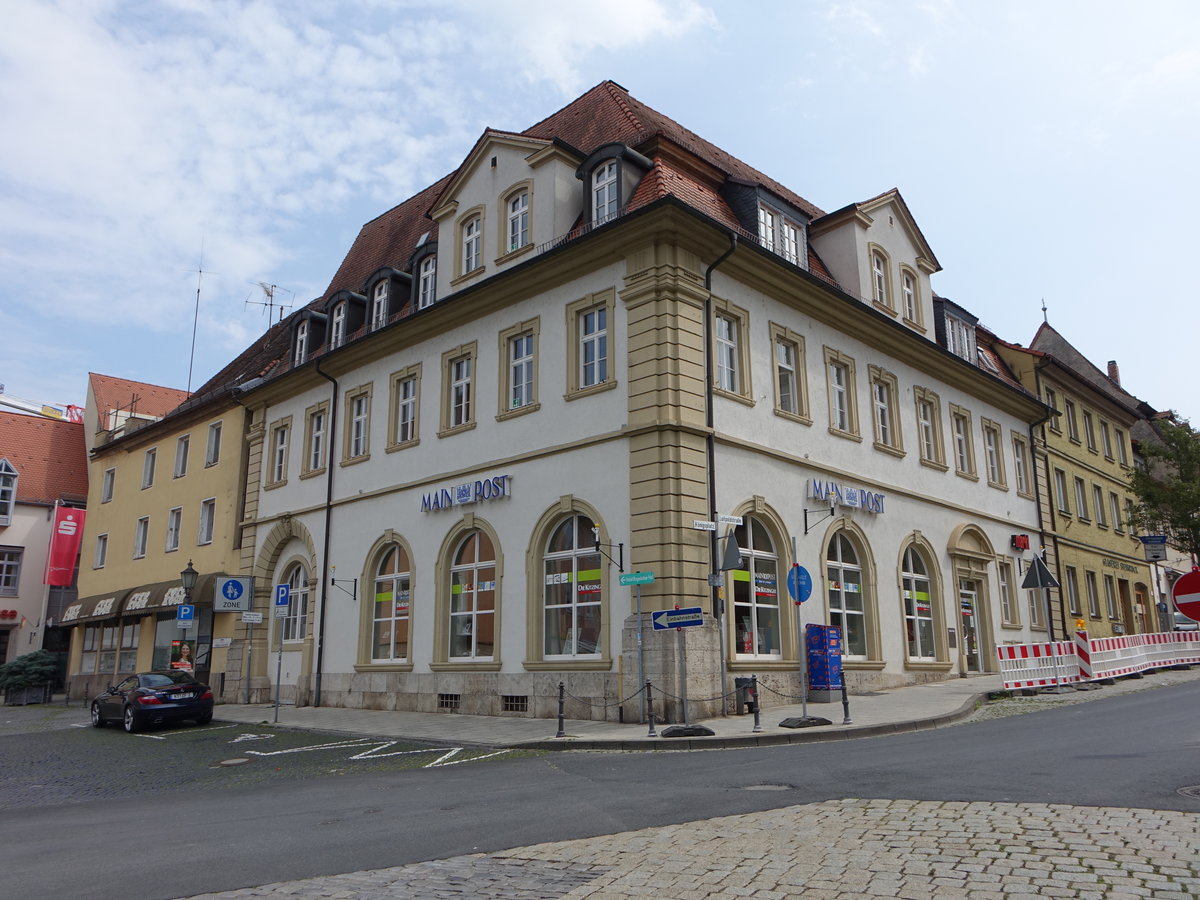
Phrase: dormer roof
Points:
(865, 213)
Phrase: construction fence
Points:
(1094, 659)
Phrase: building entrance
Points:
(968, 614)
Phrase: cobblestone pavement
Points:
(834, 850)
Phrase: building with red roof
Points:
(43, 465)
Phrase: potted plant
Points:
(28, 678)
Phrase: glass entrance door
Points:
(968, 614)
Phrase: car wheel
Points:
(204, 719)
(97, 719)
(131, 721)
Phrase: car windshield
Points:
(165, 679)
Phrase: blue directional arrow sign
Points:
(665, 619)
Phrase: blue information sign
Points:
(664, 619)
(232, 589)
(185, 612)
(283, 594)
(799, 583)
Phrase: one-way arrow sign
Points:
(665, 619)
(1038, 576)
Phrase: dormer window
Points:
(337, 333)
(8, 491)
(379, 305)
(780, 234)
(471, 233)
(960, 338)
(427, 282)
(604, 192)
(301, 344)
(518, 221)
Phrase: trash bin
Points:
(746, 695)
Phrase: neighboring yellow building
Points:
(1084, 459)
(165, 483)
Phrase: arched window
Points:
(604, 192)
(756, 593)
(393, 598)
(918, 606)
(427, 282)
(337, 334)
(573, 590)
(295, 623)
(473, 598)
(518, 221)
(301, 343)
(847, 603)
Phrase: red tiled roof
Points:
(140, 399)
(49, 457)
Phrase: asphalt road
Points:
(1135, 750)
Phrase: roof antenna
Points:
(195, 317)
(1045, 318)
(269, 302)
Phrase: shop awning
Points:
(139, 601)
(94, 608)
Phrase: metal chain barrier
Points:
(724, 696)
(603, 705)
(765, 686)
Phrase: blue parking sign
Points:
(283, 594)
(185, 612)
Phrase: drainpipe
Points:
(718, 603)
(1037, 493)
(333, 414)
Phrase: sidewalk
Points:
(878, 713)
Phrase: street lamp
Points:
(188, 576)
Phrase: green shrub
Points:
(30, 670)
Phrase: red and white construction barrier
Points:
(1084, 659)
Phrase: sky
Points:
(164, 159)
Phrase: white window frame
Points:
(212, 451)
(360, 418)
(994, 454)
(461, 381)
(427, 282)
(1060, 492)
(141, 533)
(1110, 598)
(316, 450)
(913, 584)
(10, 570)
(301, 354)
(1106, 439)
(398, 583)
(1072, 420)
(467, 620)
(727, 337)
(1071, 579)
(280, 441)
(964, 448)
(1004, 580)
(518, 221)
(148, 463)
(521, 356)
(1122, 453)
(1081, 500)
(174, 526)
(100, 554)
(208, 515)
(908, 290)
(1093, 593)
(584, 592)
(593, 346)
(1021, 471)
(407, 396)
(787, 376)
(294, 624)
(379, 303)
(1089, 430)
(1114, 504)
(337, 324)
(879, 279)
(472, 244)
(605, 194)
(1098, 505)
(106, 486)
(759, 611)
(884, 402)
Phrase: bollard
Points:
(845, 704)
(754, 697)
(561, 701)
(650, 708)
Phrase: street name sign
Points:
(799, 584)
(636, 578)
(664, 619)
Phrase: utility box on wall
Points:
(823, 644)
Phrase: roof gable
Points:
(483, 148)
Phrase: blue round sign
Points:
(232, 590)
(799, 583)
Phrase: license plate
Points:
(182, 696)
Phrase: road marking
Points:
(251, 737)
(374, 749)
(153, 737)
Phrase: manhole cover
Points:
(1192, 791)
(240, 761)
(768, 787)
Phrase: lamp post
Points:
(188, 576)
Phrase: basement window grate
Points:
(449, 702)
(514, 703)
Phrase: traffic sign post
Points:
(1038, 575)
(283, 599)
(1186, 594)
(637, 579)
(185, 615)
(679, 619)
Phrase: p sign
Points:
(283, 598)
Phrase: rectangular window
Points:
(337, 334)
(106, 486)
(279, 453)
(1110, 598)
(10, 570)
(993, 454)
(929, 426)
(604, 192)
(1052, 402)
(1106, 439)
(520, 370)
(1060, 492)
(593, 346)
(471, 240)
(8, 491)
(964, 450)
(785, 366)
(181, 455)
(208, 511)
(403, 406)
(148, 468)
(839, 396)
(1089, 431)
(1072, 579)
(1119, 436)
(1081, 501)
(879, 280)
(518, 221)
(908, 287)
(1008, 610)
(212, 454)
(779, 234)
(1114, 504)
(1098, 505)
(1072, 422)
(379, 305)
(360, 420)
(883, 412)
(727, 355)
(460, 391)
(427, 282)
(140, 533)
(174, 521)
(1021, 471)
(1093, 596)
(884, 400)
(101, 555)
(314, 453)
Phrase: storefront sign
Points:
(1118, 564)
(464, 494)
(843, 495)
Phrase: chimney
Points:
(1114, 373)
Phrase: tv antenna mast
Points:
(269, 301)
